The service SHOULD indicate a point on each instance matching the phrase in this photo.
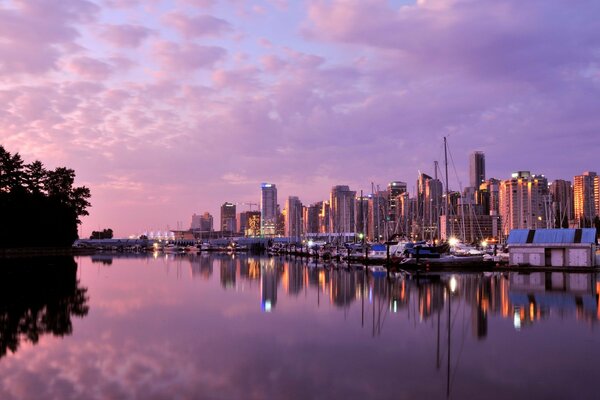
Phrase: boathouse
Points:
(552, 247)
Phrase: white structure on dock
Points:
(552, 247)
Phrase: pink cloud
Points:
(197, 26)
(125, 35)
(90, 68)
(187, 57)
(28, 50)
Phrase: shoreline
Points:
(43, 251)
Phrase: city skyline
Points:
(167, 108)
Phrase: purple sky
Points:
(166, 108)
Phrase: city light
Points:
(453, 284)
(453, 241)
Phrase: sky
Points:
(165, 108)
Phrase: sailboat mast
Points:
(447, 203)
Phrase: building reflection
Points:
(38, 296)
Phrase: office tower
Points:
(361, 215)
(228, 215)
(206, 222)
(586, 198)
(562, 203)
(195, 222)
(325, 217)
(405, 213)
(293, 217)
(377, 216)
(476, 169)
(312, 218)
(488, 196)
(342, 209)
(268, 209)
(524, 202)
(430, 204)
(394, 189)
(252, 224)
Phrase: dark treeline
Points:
(38, 296)
(38, 207)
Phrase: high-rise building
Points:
(293, 217)
(430, 205)
(206, 222)
(342, 209)
(394, 189)
(325, 217)
(378, 216)
(268, 209)
(195, 222)
(488, 196)
(562, 203)
(311, 223)
(586, 193)
(361, 215)
(228, 217)
(406, 209)
(524, 202)
(476, 169)
(252, 223)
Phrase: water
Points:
(237, 327)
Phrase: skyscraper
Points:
(395, 189)
(524, 202)
(562, 203)
(342, 209)
(586, 193)
(228, 217)
(268, 209)
(293, 217)
(206, 222)
(476, 169)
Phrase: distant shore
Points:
(43, 251)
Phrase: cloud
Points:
(188, 56)
(197, 26)
(129, 36)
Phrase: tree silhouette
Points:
(38, 207)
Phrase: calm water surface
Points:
(245, 327)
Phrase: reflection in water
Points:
(38, 296)
(243, 326)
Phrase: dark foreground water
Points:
(237, 327)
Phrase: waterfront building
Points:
(206, 222)
(342, 209)
(552, 247)
(268, 209)
(228, 217)
(586, 193)
(562, 203)
(524, 202)
(476, 169)
(293, 217)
